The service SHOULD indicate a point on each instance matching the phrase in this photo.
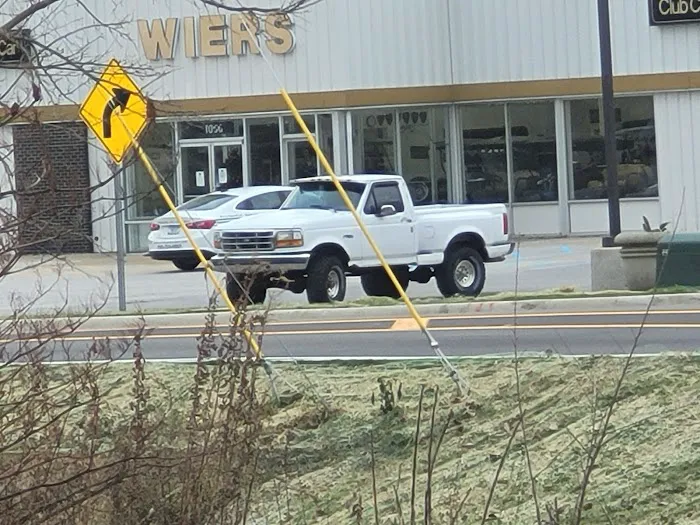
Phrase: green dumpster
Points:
(678, 260)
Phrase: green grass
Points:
(317, 462)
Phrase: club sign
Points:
(13, 48)
(663, 12)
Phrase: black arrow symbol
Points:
(119, 100)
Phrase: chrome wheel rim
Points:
(465, 274)
(333, 284)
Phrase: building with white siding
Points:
(469, 100)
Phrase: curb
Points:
(637, 303)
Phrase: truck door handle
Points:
(406, 219)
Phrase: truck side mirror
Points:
(387, 210)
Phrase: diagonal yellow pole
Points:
(346, 199)
(412, 310)
(207, 267)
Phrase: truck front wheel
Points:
(462, 272)
(326, 282)
(377, 283)
(256, 291)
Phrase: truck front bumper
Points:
(277, 263)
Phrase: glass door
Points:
(211, 167)
(228, 166)
(196, 173)
(299, 159)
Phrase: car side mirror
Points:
(387, 210)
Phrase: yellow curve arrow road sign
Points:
(114, 102)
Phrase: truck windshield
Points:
(323, 195)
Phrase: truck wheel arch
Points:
(470, 239)
(328, 249)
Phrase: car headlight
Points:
(288, 239)
(216, 241)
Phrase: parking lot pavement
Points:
(91, 279)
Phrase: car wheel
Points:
(326, 282)
(256, 292)
(186, 265)
(462, 272)
(377, 283)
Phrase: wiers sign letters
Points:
(215, 35)
(663, 12)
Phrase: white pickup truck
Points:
(312, 243)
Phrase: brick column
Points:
(53, 185)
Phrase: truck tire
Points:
(326, 282)
(186, 265)
(377, 283)
(462, 272)
(256, 291)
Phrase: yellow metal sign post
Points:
(116, 98)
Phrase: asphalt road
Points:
(562, 333)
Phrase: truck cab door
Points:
(391, 225)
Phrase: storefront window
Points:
(325, 138)
(485, 156)
(264, 144)
(636, 149)
(143, 199)
(374, 142)
(291, 127)
(533, 137)
(424, 154)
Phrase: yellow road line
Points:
(504, 327)
(398, 321)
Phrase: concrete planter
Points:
(639, 258)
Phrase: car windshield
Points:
(207, 202)
(323, 195)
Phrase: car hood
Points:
(287, 218)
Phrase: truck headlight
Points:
(288, 239)
(216, 241)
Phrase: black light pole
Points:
(606, 78)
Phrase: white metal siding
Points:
(677, 117)
(510, 40)
(364, 44)
(104, 222)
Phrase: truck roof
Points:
(358, 177)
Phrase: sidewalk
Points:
(153, 285)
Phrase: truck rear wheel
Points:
(377, 283)
(256, 291)
(462, 272)
(326, 282)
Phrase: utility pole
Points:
(606, 78)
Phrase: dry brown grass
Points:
(315, 463)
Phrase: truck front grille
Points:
(259, 241)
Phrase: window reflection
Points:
(533, 136)
(485, 157)
(636, 149)
(374, 142)
(424, 154)
(264, 144)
